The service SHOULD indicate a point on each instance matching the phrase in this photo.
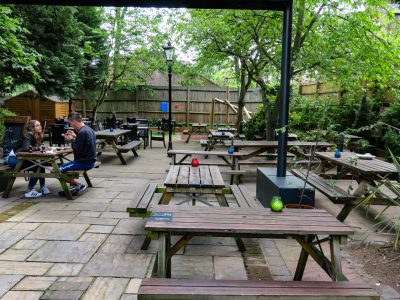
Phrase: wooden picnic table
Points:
(47, 160)
(229, 159)
(365, 172)
(227, 129)
(197, 128)
(111, 138)
(303, 225)
(194, 180)
(216, 136)
(258, 147)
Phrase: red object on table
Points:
(195, 162)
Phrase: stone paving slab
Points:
(212, 250)
(26, 226)
(16, 254)
(22, 295)
(51, 216)
(115, 214)
(90, 214)
(71, 284)
(58, 232)
(33, 283)
(65, 269)
(10, 237)
(100, 229)
(187, 267)
(6, 226)
(62, 295)
(28, 244)
(7, 282)
(133, 286)
(65, 251)
(117, 265)
(94, 221)
(93, 237)
(24, 268)
(106, 288)
(130, 226)
(117, 244)
(98, 193)
(86, 206)
(230, 268)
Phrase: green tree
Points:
(345, 41)
(133, 50)
(18, 61)
(55, 33)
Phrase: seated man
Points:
(83, 143)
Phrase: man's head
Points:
(75, 120)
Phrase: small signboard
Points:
(161, 216)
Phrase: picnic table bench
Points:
(336, 194)
(47, 161)
(144, 201)
(349, 166)
(197, 128)
(188, 289)
(224, 155)
(111, 137)
(304, 226)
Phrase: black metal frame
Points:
(286, 6)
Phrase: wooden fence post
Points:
(187, 106)
(212, 113)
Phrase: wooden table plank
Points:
(351, 161)
(216, 176)
(172, 176)
(205, 176)
(183, 177)
(194, 176)
(253, 221)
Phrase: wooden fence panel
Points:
(189, 105)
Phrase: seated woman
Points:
(34, 138)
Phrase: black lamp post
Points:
(169, 55)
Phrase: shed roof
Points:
(34, 95)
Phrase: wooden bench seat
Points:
(204, 143)
(75, 174)
(159, 288)
(334, 193)
(243, 197)
(141, 203)
(129, 146)
(235, 174)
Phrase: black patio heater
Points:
(169, 55)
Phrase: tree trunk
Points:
(244, 86)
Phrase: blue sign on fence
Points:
(164, 106)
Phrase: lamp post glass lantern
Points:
(169, 56)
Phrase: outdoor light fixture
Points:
(169, 56)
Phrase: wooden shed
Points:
(42, 108)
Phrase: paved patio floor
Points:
(89, 248)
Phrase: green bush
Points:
(256, 124)
(391, 114)
(307, 113)
(392, 141)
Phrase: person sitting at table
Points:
(83, 143)
(34, 138)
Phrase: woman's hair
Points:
(37, 135)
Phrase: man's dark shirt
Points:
(84, 146)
